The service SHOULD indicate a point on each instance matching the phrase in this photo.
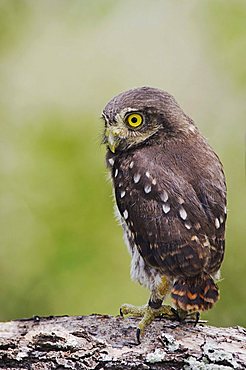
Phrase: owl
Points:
(170, 196)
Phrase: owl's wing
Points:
(176, 226)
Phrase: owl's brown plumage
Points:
(170, 193)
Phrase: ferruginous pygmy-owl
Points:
(171, 199)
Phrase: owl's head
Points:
(134, 116)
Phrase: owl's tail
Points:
(197, 293)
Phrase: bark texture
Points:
(105, 342)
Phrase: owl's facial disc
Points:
(129, 127)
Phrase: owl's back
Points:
(174, 197)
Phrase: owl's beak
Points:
(112, 135)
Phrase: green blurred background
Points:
(61, 250)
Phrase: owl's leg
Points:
(153, 309)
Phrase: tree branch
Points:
(105, 342)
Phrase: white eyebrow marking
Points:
(104, 117)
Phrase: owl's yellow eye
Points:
(134, 120)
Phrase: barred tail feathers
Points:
(197, 293)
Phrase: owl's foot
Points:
(148, 315)
(182, 315)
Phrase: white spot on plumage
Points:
(180, 200)
(207, 243)
(187, 225)
(166, 208)
(125, 214)
(217, 275)
(122, 193)
(154, 181)
(217, 223)
(111, 161)
(182, 213)
(120, 184)
(136, 178)
(194, 238)
(147, 174)
(192, 128)
(221, 220)
(116, 172)
(131, 164)
(164, 196)
(225, 210)
(147, 189)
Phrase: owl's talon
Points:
(148, 315)
(131, 310)
(138, 333)
(197, 318)
(183, 315)
(175, 314)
